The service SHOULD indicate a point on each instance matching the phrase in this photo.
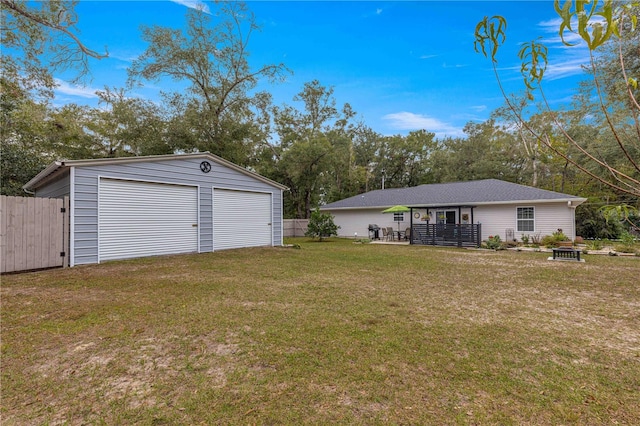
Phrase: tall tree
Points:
(310, 143)
(489, 151)
(39, 38)
(32, 134)
(213, 61)
(406, 160)
(598, 25)
(126, 126)
(367, 164)
(18, 161)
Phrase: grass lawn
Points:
(335, 332)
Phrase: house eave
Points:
(44, 176)
(50, 171)
(570, 201)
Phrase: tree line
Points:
(321, 150)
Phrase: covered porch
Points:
(451, 226)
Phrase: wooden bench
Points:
(566, 253)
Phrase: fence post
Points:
(4, 236)
(65, 231)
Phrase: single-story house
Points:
(480, 208)
(164, 204)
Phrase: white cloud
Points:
(479, 108)
(445, 65)
(65, 88)
(553, 25)
(563, 69)
(194, 4)
(410, 121)
(428, 56)
(378, 11)
(563, 61)
(557, 68)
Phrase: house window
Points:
(445, 217)
(525, 219)
(398, 217)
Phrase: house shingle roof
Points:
(472, 193)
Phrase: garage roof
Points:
(57, 167)
(471, 193)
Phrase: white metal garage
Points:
(241, 219)
(145, 219)
(130, 207)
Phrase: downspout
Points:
(573, 220)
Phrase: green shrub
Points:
(627, 243)
(554, 239)
(493, 243)
(321, 225)
(595, 244)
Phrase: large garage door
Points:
(241, 219)
(146, 219)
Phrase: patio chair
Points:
(407, 234)
(385, 234)
(390, 233)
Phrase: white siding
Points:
(548, 218)
(352, 221)
(495, 219)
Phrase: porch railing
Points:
(467, 235)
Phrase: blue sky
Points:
(402, 65)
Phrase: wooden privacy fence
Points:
(34, 233)
(295, 227)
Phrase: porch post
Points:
(410, 236)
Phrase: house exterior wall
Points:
(495, 219)
(83, 183)
(548, 218)
(352, 221)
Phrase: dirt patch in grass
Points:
(331, 333)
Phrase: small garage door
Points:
(139, 219)
(241, 219)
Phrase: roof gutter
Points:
(50, 169)
(572, 202)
